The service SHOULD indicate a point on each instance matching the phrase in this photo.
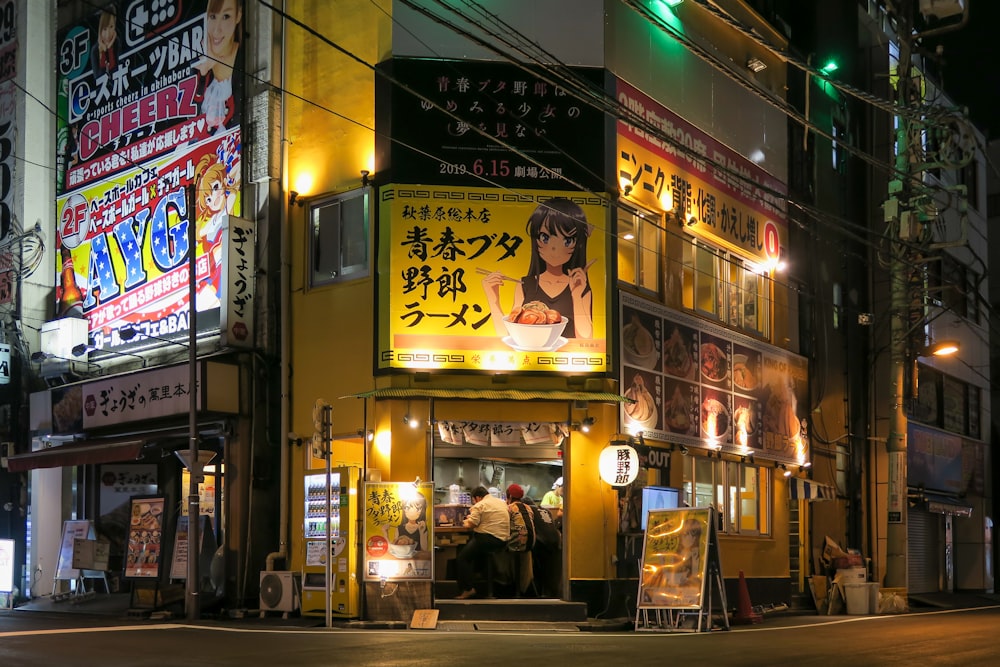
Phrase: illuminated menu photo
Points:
(695, 383)
(479, 279)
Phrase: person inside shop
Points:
(553, 501)
(490, 523)
(533, 546)
(546, 556)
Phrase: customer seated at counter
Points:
(490, 523)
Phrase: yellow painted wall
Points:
(329, 139)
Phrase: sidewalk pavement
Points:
(117, 606)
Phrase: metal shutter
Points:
(923, 555)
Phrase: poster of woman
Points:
(674, 559)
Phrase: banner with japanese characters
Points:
(712, 189)
(134, 83)
(123, 244)
(398, 538)
(491, 280)
(483, 124)
(695, 383)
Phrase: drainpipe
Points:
(282, 552)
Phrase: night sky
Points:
(971, 71)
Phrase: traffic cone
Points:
(744, 612)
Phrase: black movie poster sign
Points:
(487, 124)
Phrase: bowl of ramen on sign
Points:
(715, 420)
(535, 326)
(403, 547)
(714, 364)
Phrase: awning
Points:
(807, 489)
(77, 453)
(493, 394)
(940, 504)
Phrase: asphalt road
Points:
(951, 637)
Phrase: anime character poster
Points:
(148, 106)
(483, 279)
(123, 244)
(674, 558)
(135, 82)
(398, 538)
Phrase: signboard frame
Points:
(681, 573)
(384, 518)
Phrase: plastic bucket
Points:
(857, 598)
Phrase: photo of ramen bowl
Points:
(714, 364)
(535, 336)
(402, 550)
(715, 419)
(743, 374)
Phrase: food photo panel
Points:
(645, 389)
(680, 407)
(716, 415)
(641, 335)
(714, 360)
(747, 431)
(679, 351)
(746, 369)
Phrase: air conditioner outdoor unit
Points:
(279, 591)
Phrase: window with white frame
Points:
(640, 247)
(338, 238)
(740, 492)
(726, 287)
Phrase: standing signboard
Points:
(72, 530)
(145, 534)
(681, 570)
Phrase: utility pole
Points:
(901, 218)
(906, 233)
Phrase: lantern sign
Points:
(618, 464)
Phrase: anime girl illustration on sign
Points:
(217, 188)
(220, 90)
(553, 302)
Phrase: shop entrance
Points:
(506, 574)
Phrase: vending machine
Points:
(341, 517)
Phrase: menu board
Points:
(72, 530)
(145, 534)
(696, 383)
(674, 558)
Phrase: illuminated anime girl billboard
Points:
(148, 104)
